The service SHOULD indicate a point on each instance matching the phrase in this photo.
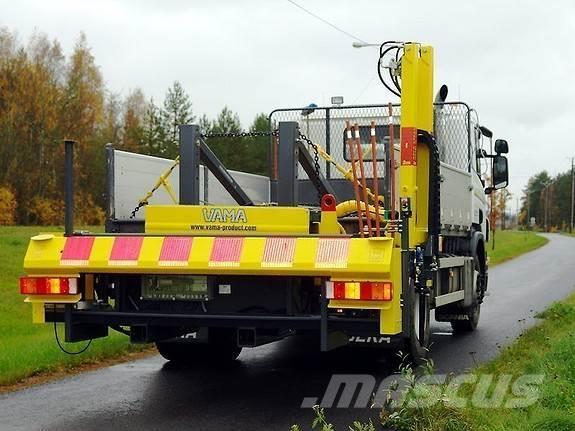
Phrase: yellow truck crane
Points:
(371, 217)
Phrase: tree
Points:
(177, 110)
(134, 114)
(153, 133)
(230, 151)
(258, 151)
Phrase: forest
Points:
(47, 96)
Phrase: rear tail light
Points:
(48, 286)
(363, 290)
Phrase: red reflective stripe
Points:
(126, 248)
(332, 252)
(77, 249)
(409, 146)
(226, 250)
(175, 249)
(278, 251)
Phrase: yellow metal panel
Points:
(150, 251)
(38, 315)
(226, 220)
(425, 91)
(390, 318)
(201, 252)
(53, 299)
(329, 224)
(409, 85)
(101, 250)
(252, 252)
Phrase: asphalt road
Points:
(265, 388)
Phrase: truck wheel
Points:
(221, 348)
(473, 312)
(463, 326)
(420, 331)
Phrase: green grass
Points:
(510, 243)
(27, 349)
(548, 349)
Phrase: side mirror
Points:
(501, 146)
(500, 172)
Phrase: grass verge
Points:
(512, 243)
(28, 350)
(494, 400)
(547, 349)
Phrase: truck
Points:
(371, 217)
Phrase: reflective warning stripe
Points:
(226, 251)
(77, 250)
(278, 252)
(126, 250)
(175, 251)
(332, 253)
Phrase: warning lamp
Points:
(48, 286)
(362, 290)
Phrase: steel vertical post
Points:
(189, 165)
(69, 187)
(288, 155)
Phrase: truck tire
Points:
(473, 312)
(221, 348)
(420, 330)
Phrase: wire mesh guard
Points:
(326, 127)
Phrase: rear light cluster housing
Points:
(362, 290)
(48, 286)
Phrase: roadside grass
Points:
(547, 349)
(26, 349)
(512, 243)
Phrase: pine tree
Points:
(177, 110)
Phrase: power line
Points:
(326, 22)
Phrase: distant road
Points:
(264, 390)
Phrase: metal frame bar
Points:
(322, 185)
(216, 167)
(217, 320)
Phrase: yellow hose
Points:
(348, 207)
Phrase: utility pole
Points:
(547, 202)
(572, 192)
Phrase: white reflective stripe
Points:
(72, 286)
(329, 289)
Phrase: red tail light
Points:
(48, 286)
(364, 290)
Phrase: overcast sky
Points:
(513, 61)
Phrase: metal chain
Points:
(140, 205)
(239, 134)
(315, 158)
